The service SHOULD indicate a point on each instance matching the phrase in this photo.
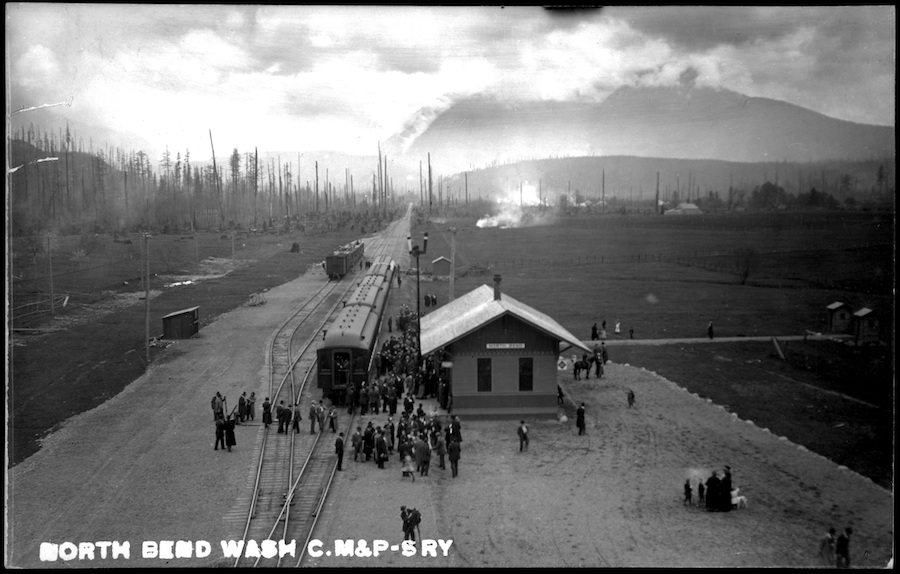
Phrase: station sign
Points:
(505, 345)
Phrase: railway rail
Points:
(288, 494)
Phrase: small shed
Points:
(838, 317)
(181, 324)
(864, 326)
(440, 266)
(685, 209)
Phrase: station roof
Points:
(861, 313)
(835, 305)
(478, 307)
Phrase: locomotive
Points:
(342, 261)
(350, 340)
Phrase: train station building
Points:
(500, 355)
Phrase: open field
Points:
(90, 350)
(585, 271)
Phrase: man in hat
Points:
(313, 412)
(339, 450)
(579, 419)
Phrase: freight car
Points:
(342, 261)
(350, 340)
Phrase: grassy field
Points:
(668, 277)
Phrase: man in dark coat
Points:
(220, 434)
(381, 452)
(389, 430)
(594, 334)
(229, 433)
(339, 450)
(297, 418)
(363, 400)
(267, 412)
(725, 502)
(422, 456)
(368, 441)
(279, 414)
(356, 441)
(350, 399)
(242, 408)
(453, 452)
(579, 419)
(713, 488)
(312, 417)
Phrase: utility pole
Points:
(452, 259)
(147, 299)
(50, 260)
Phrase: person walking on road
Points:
(594, 333)
(267, 412)
(251, 406)
(220, 434)
(229, 433)
(842, 548)
(688, 493)
(453, 453)
(701, 491)
(709, 330)
(630, 398)
(826, 548)
(523, 436)
(339, 450)
(579, 419)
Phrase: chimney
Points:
(496, 287)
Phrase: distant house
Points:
(685, 209)
(864, 327)
(500, 355)
(838, 317)
(440, 267)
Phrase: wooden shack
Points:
(864, 327)
(839, 317)
(181, 324)
(440, 267)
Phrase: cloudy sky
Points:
(311, 78)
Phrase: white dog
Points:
(739, 502)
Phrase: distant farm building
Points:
(685, 209)
(440, 267)
(861, 327)
(838, 317)
(500, 355)
(864, 327)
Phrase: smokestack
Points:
(496, 287)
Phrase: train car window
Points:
(324, 361)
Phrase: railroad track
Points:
(286, 500)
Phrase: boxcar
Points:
(344, 259)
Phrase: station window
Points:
(526, 374)
(484, 375)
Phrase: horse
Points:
(582, 365)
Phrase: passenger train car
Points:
(342, 261)
(350, 340)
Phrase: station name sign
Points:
(505, 345)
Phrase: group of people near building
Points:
(416, 436)
(596, 361)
